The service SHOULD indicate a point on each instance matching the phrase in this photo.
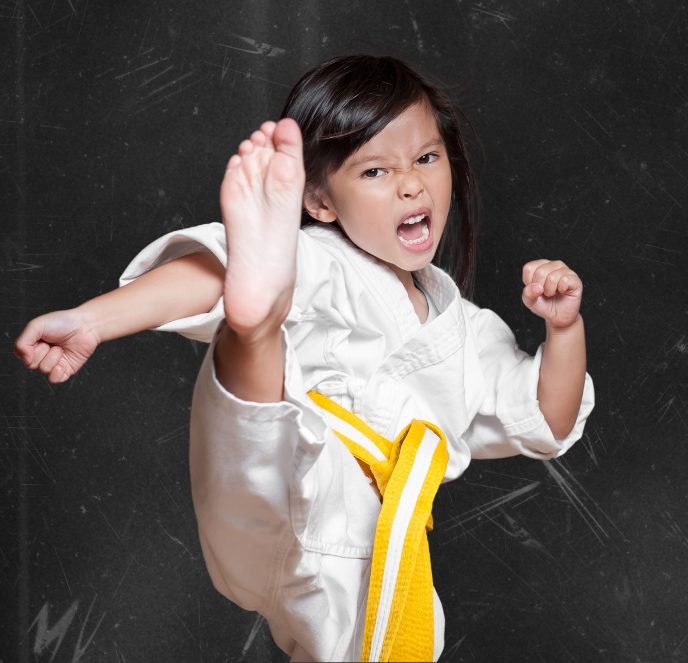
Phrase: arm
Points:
(59, 343)
(562, 376)
(554, 292)
(519, 397)
(181, 288)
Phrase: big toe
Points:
(287, 138)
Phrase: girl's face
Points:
(392, 196)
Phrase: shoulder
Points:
(331, 272)
(321, 254)
(338, 280)
(486, 325)
(324, 253)
(325, 241)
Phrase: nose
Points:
(410, 186)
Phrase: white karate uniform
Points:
(286, 517)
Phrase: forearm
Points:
(178, 289)
(562, 377)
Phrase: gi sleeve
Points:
(209, 237)
(509, 420)
(246, 461)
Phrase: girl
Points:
(348, 226)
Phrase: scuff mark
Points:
(252, 635)
(259, 49)
(45, 636)
(494, 504)
(520, 533)
(577, 502)
(414, 24)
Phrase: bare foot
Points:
(261, 199)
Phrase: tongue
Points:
(409, 231)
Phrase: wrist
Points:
(563, 330)
(89, 320)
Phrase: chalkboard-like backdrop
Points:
(117, 119)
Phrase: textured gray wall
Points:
(116, 120)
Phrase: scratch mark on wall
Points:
(503, 17)
(454, 647)
(587, 445)
(63, 571)
(27, 267)
(520, 533)
(525, 582)
(122, 579)
(171, 94)
(174, 539)
(483, 509)
(676, 530)
(133, 71)
(584, 129)
(618, 332)
(152, 78)
(252, 635)
(176, 80)
(258, 48)
(184, 625)
(578, 503)
(247, 74)
(79, 651)
(45, 635)
(117, 535)
(416, 31)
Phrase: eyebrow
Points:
(435, 142)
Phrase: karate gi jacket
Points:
(286, 517)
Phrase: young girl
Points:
(335, 315)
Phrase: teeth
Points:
(422, 238)
(415, 219)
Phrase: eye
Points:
(373, 173)
(428, 158)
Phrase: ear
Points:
(319, 206)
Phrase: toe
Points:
(234, 162)
(245, 148)
(268, 128)
(286, 171)
(287, 138)
(258, 138)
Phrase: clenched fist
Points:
(58, 344)
(553, 291)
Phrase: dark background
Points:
(116, 120)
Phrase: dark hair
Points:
(342, 103)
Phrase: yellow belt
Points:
(399, 622)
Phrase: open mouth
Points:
(414, 230)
